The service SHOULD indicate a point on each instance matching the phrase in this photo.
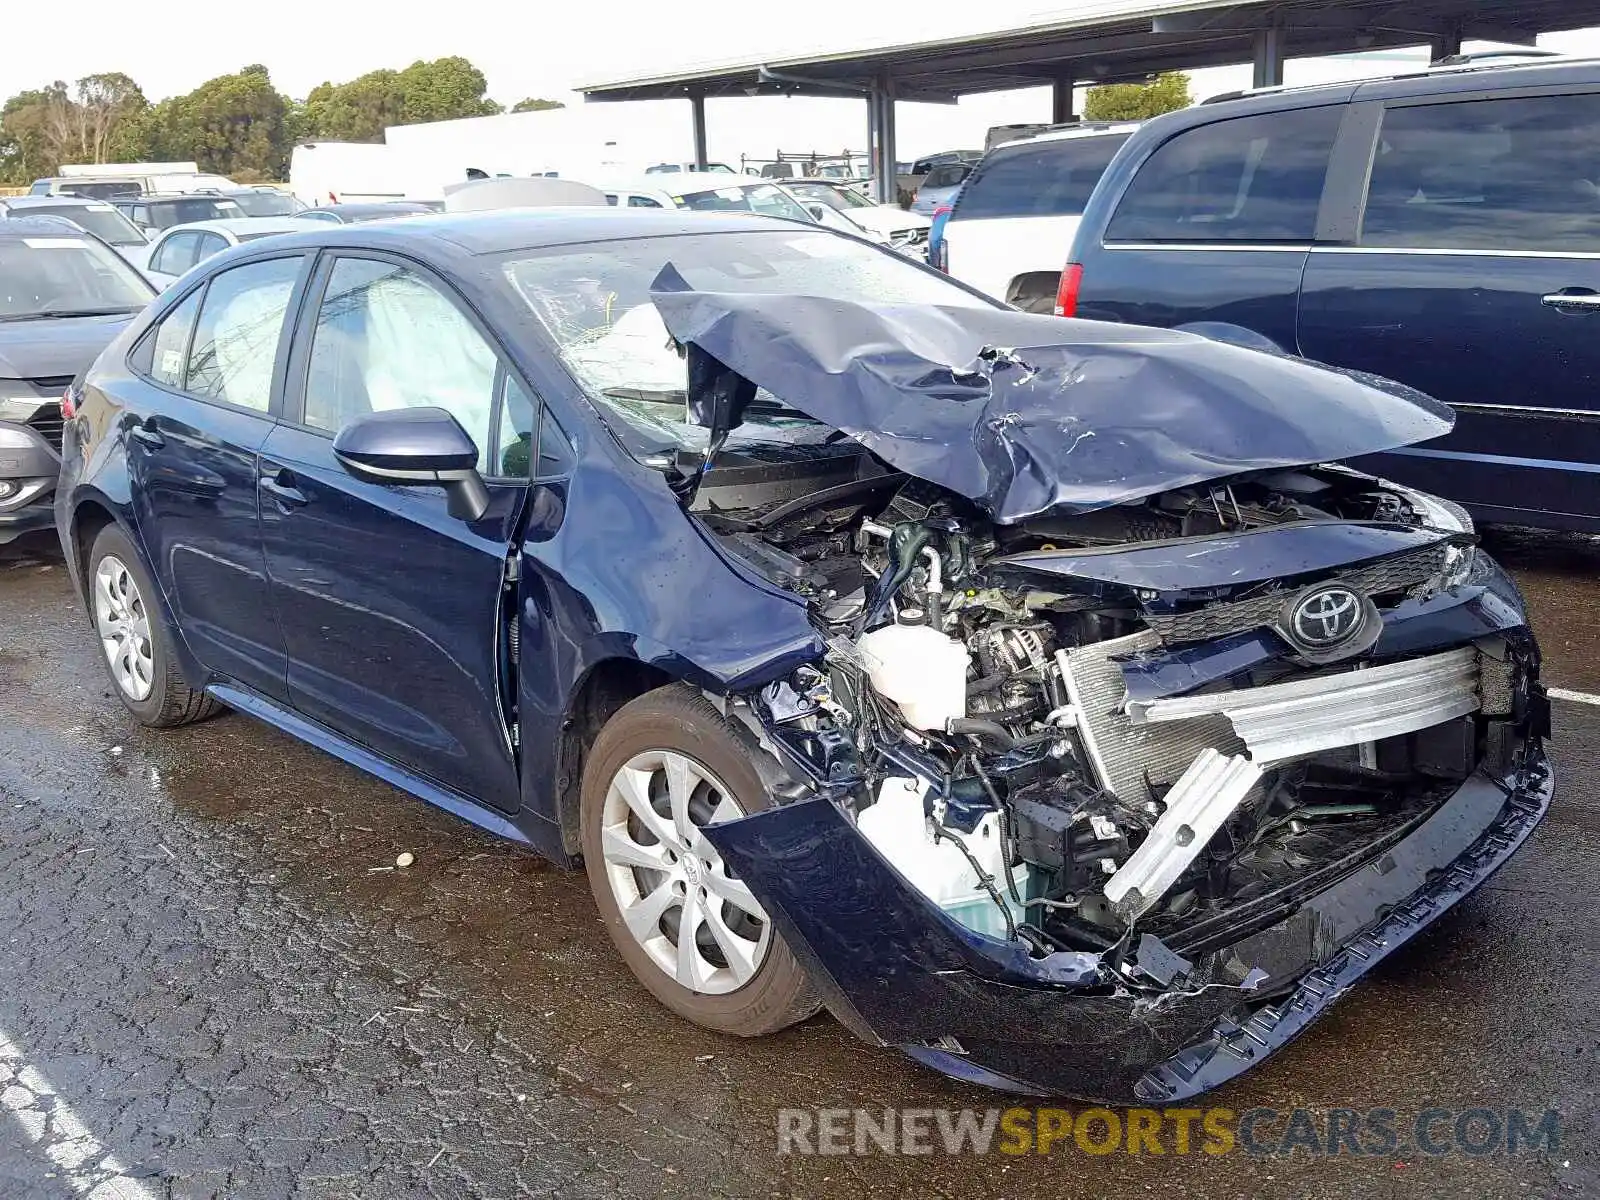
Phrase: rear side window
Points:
(171, 342)
(948, 175)
(236, 337)
(1513, 174)
(1251, 179)
(1049, 179)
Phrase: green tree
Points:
(91, 122)
(360, 110)
(534, 104)
(1138, 101)
(236, 125)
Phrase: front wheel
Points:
(134, 637)
(664, 767)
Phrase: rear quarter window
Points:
(1519, 173)
(1044, 180)
(1247, 179)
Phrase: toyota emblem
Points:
(1325, 617)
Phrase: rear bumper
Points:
(899, 972)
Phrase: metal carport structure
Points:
(1112, 41)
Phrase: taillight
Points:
(1067, 293)
(69, 405)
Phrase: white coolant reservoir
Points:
(920, 669)
(897, 825)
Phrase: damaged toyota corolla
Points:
(1039, 696)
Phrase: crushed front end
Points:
(1140, 732)
(1112, 806)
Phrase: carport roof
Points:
(1113, 40)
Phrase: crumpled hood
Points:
(64, 346)
(1026, 414)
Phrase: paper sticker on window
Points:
(53, 243)
(171, 363)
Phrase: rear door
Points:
(1475, 277)
(210, 376)
(1216, 226)
(1014, 219)
(393, 610)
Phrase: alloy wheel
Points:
(697, 923)
(123, 623)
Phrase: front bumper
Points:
(898, 971)
(30, 467)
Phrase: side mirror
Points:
(416, 446)
(817, 214)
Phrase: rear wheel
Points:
(663, 769)
(134, 637)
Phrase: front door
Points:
(394, 611)
(1476, 279)
(195, 424)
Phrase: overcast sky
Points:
(546, 49)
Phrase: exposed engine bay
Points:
(1144, 718)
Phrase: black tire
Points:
(171, 700)
(678, 719)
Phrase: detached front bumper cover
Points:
(900, 972)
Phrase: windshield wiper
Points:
(61, 314)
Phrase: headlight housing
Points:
(1439, 513)
(20, 407)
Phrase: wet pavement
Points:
(207, 956)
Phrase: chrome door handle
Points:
(279, 485)
(149, 435)
(1572, 299)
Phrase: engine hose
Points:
(905, 545)
(1006, 837)
(989, 683)
(988, 732)
(984, 878)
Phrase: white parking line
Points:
(49, 1122)
(1575, 697)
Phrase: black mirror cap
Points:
(415, 446)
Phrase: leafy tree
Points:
(534, 104)
(91, 122)
(358, 111)
(1138, 101)
(236, 125)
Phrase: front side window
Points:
(386, 337)
(237, 334)
(1512, 174)
(643, 202)
(1046, 179)
(595, 302)
(1249, 179)
(176, 254)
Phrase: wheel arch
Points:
(604, 688)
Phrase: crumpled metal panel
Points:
(1027, 414)
(1307, 716)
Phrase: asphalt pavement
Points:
(215, 982)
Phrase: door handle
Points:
(1585, 299)
(146, 432)
(279, 484)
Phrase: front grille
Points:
(47, 423)
(1399, 575)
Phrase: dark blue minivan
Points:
(1441, 229)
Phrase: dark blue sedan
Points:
(1029, 692)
